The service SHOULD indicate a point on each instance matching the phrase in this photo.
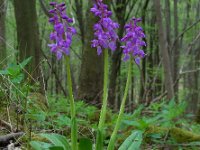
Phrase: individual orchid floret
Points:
(105, 34)
(63, 32)
(133, 41)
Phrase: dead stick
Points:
(5, 139)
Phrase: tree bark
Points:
(91, 74)
(164, 51)
(151, 88)
(143, 70)
(3, 60)
(168, 22)
(116, 55)
(176, 47)
(80, 18)
(198, 75)
(2, 34)
(192, 85)
(28, 35)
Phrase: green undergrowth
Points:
(162, 124)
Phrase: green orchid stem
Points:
(121, 112)
(100, 133)
(72, 106)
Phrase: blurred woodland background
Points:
(169, 71)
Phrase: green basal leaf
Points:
(18, 78)
(85, 144)
(133, 142)
(56, 148)
(36, 145)
(13, 70)
(25, 62)
(57, 140)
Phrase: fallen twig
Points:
(5, 139)
(6, 125)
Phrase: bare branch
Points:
(184, 31)
(181, 72)
(5, 139)
(190, 71)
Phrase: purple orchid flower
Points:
(133, 41)
(63, 32)
(105, 34)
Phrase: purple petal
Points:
(112, 46)
(95, 43)
(99, 50)
(52, 3)
(51, 20)
(61, 4)
(65, 17)
(52, 11)
(59, 55)
(66, 51)
(52, 36)
(53, 47)
(126, 57)
(137, 60)
(72, 30)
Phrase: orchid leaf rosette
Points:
(62, 35)
(105, 38)
(61, 38)
(131, 50)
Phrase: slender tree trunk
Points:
(2, 47)
(176, 47)
(168, 22)
(28, 35)
(116, 56)
(2, 34)
(115, 67)
(91, 74)
(198, 76)
(158, 83)
(143, 70)
(150, 88)
(186, 23)
(192, 84)
(80, 18)
(164, 51)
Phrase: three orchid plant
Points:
(105, 38)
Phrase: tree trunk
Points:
(143, 70)
(116, 56)
(2, 34)
(168, 22)
(192, 85)
(151, 92)
(80, 18)
(115, 67)
(91, 74)
(186, 23)
(176, 48)
(198, 74)
(28, 35)
(164, 52)
(2, 46)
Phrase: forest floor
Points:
(164, 125)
